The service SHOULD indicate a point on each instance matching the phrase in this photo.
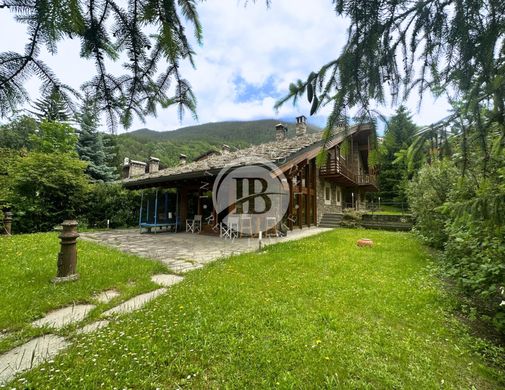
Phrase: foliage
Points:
(54, 137)
(427, 192)
(452, 214)
(47, 188)
(107, 31)
(8, 158)
(393, 174)
(474, 256)
(318, 312)
(111, 202)
(395, 47)
(93, 147)
(16, 134)
(351, 218)
(28, 263)
(54, 107)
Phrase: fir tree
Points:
(93, 148)
(150, 34)
(452, 47)
(53, 107)
(393, 174)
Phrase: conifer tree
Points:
(452, 47)
(151, 34)
(53, 107)
(393, 174)
(92, 147)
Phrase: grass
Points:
(390, 210)
(28, 263)
(318, 313)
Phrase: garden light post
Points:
(7, 229)
(67, 258)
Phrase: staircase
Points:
(330, 220)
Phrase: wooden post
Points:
(184, 204)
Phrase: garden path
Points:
(183, 252)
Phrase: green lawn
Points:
(308, 314)
(28, 263)
(390, 210)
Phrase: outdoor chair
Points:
(194, 225)
(246, 225)
(229, 229)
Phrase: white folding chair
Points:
(230, 228)
(194, 225)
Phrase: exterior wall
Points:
(322, 206)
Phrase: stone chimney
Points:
(301, 125)
(339, 126)
(183, 159)
(132, 168)
(153, 164)
(225, 149)
(281, 132)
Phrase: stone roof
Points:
(274, 151)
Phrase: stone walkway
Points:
(40, 349)
(183, 252)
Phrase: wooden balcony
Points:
(337, 169)
(367, 179)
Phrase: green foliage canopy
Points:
(54, 137)
(107, 30)
(395, 47)
(48, 188)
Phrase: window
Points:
(327, 194)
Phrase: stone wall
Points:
(387, 222)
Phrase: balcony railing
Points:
(337, 167)
(367, 179)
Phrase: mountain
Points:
(196, 140)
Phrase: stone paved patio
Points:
(184, 252)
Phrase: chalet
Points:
(184, 191)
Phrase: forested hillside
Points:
(195, 140)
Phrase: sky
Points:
(249, 56)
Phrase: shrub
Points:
(351, 218)
(427, 192)
(110, 201)
(47, 188)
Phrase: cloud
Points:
(249, 56)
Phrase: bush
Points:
(351, 218)
(110, 201)
(427, 192)
(456, 214)
(47, 188)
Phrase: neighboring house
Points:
(340, 183)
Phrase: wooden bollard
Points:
(7, 228)
(364, 242)
(67, 258)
